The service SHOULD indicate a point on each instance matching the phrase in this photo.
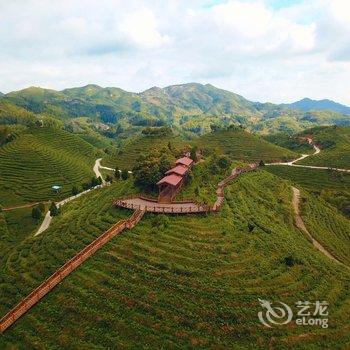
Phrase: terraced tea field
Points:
(40, 158)
(131, 151)
(335, 145)
(241, 145)
(313, 179)
(333, 186)
(330, 228)
(15, 226)
(179, 281)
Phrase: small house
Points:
(173, 180)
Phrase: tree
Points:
(223, 162)
(136, 106)
(109, 178)
(94, 182)
(4, 134)
(194, 153)
(125, 174)
(251, 227)
(146, 171)
(75, 190)
(196, 191)
(54, 211)
(36, 213)
(214, 127)
(86, 185)
(164, 163)
(41, 207)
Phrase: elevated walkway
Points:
(152, 206)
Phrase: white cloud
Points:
(141, 28)
(245, 46)
(249, 20)
(340, 9)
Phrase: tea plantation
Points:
(39, 158)
(181, 281)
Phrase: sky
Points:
(266, 50)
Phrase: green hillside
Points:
(330, 228)
(39, 158)
(126, 156)
(292, 142)
(189, 107)
(241, 145)
(15, 227)
(335, 144)
(236, 143)
(180, 281)
(197, 99)
(332, 186)
(307, 104)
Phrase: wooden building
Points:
(173, 180)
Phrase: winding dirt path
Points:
(29, 205)
(47, 219)
(317, 150)
(301, 226)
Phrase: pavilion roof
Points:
(184, 161)
(179, 170)
(172, 180)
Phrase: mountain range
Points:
(307, 104)
(190, 107)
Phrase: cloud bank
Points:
(272, 50)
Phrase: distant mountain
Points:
(307, 104)
(191, 108)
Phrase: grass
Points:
(332, 186)
(180, 282)
(39, 158)
(241, 145)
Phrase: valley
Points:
(175, 175)
(175, 280)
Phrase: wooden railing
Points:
(45, 287)
(164, 209)
(192, 205)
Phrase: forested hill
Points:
(192, 108)
(307, 104)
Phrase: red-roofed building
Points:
(184, 161)
(174, 179)
(179, 170)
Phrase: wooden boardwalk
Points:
(185, 207)
(45, 287)
(140, 205)
(152, 206)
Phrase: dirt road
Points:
(301, 226)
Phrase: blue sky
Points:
(265, 50)
(278, 4)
